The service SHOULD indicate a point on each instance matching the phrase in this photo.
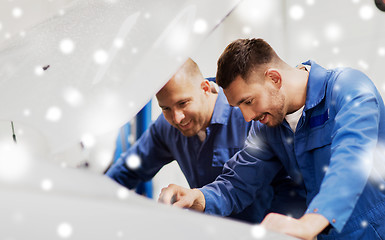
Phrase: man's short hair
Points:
(240, 57)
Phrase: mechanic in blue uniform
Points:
(201, 131)
(327, 128)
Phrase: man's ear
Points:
(205, 85)
(274, 75)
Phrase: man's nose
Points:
(178, 116)
(248, 115)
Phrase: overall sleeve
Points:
(354, 136)
(244, 177)
(152, 150)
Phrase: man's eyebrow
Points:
(184, 100)
(161, 106)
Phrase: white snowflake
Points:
(53, 114)
(258, 231)
(200, 26)
(364, 224)
(15, 161)
(39, 71)
(133, 161)
(100, 56)
(62, 12)
(46, 184)
(335, 50)
(64, 230)
(119, 234)
(67, 46)
(325, 168)
(333, 32)
(366, 12)
(310, 2)
(348, 98)
(296, 12)
(246, 30)
(122, 193)
(363, 64)
(17, 12)
(118, 43)
(381, 51)
(73, 96)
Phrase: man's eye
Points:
(165, 109)
(248, 102)
(183, 104)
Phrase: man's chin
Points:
(273, 124)
(188, 132)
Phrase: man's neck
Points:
(201, 135)
(212, 99)
(297, 88)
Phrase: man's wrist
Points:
(200, 201)
(313, 224)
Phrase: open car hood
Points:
(82, 73)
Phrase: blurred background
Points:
(333, 33)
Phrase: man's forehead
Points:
(237, 91)
(231, 97)
(168, 98)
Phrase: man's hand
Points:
(183, 197)
(307, 227)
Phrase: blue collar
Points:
(316, 84)
(221, 109)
